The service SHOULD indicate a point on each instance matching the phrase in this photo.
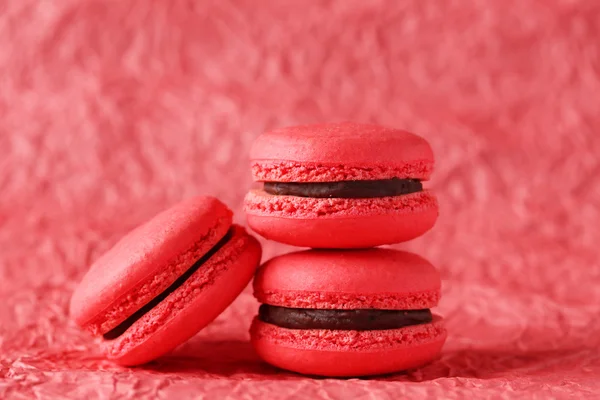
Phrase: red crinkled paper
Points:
(112, 111)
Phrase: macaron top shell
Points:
(329, 279)
(146, 261)
(340, 151)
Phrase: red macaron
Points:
(343, 185)
(165, 280)
(347, 313)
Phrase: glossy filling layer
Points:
(123, 326)
(345, 189)
(355, 320)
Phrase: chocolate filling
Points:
(123, 326)
(355, 320)
(345, 189)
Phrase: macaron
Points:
(347, 313)
(165, 280)
(341, 185)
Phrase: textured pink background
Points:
(112, 110)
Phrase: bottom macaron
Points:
(347, 313)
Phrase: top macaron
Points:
(341, 185)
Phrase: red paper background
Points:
(112, 110)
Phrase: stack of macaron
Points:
(351, 310)
(344, 308)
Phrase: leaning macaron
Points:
(347, 313)
(341, 185)
(165, 280)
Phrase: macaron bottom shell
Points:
(341, 223)
(345, 232)
(348, 353)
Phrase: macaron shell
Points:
(358, 279)
(259, 202)
(341, 223)
(192, 306)
(339, 151)
(146, 261)
(308, 351)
